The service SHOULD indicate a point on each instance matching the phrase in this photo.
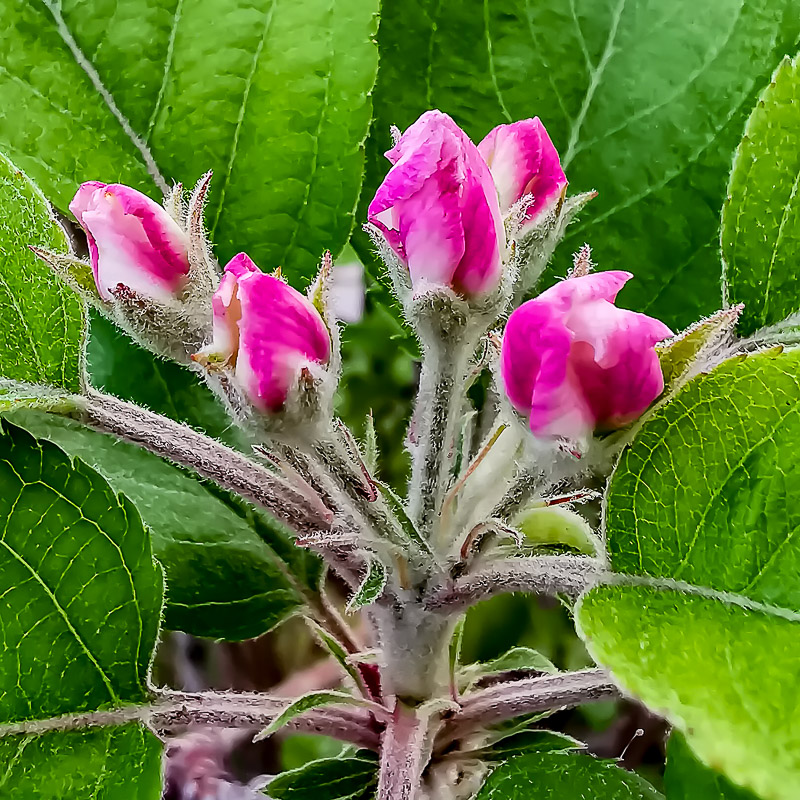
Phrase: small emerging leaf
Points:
(688, 351)
(411, 535)
(371, 586)
(553, 525)
(306, 703)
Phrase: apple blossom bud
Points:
(133, 242)
(524, 162)
(268, 332)
(572, 362)
(438, 211)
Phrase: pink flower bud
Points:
(133, 241)
(438, 209)
(524, 162)
(267, 331)
(573, 362)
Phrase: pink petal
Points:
(524, 161)
(572, 292)
(612, 332)
(279, 332)
(573, 362)
(438, 209)
(532, 332)
(132, 241)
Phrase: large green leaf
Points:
(81, 591)
(724, 673)
(761, 217)
(273, 95)
(42, 321)
(558, 776)
(645, 100)
(706, 496)
(708, 492)
(224, 577)
(686, 778)
(90, 764)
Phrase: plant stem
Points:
(176, 710)
(531, 695)
(550, 575)
(405, 752)
(231, 470)
(436, 417)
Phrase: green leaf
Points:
(370, 588)
(306, 703)
(644, 101)
(687, 351)
(761, 217)
(724, 673)
(529, 741)
(686, 778)
(224, 577)
(90, 764)
(514, 660)
(42, 321)
(557, 776)
(555, 525)
(81, 592)
(520, 658)
(328, 779)
(411, 535)
(273, 95)
(708, 492)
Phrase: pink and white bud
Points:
(133, 241)
(572, 362)
(438, 210)
(524, 162)
(267, 331)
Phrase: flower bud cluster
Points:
(264, 346)
(453, 220)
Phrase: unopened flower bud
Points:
(524, 163)
(267, 332)
(438, 210)
(133, 242)
(572, 362)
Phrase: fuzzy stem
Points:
(436, 417)
(405, 752)
(182, 445)
(548, 575)
(175, 710)
(415, 648)
(529, 696)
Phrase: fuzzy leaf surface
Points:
(81, 592)
(224, 577)
(645, 101)
(687, 778)
(708, 491)
(273, 95)
(42, 321)
(761, 217)
(724, 673)
(90, 764)
(560, 775)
